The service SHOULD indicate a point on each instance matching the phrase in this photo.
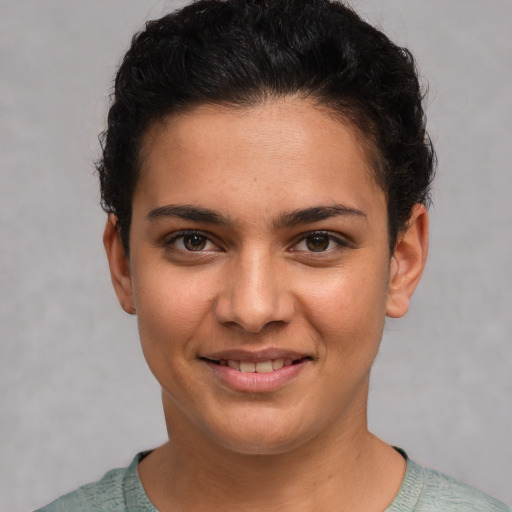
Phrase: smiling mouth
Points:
(268, 366)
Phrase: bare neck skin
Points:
(338, 471)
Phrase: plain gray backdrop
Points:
(76, 398)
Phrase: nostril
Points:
(253, 316)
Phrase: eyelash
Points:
(328, 237)
(303, 239)
(182, 235)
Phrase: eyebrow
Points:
(188, 212)
(285, 220)
(315, 214)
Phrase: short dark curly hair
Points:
(240, 53)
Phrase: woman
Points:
(266, 173)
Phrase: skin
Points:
(291, 255)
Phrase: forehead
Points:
(282, 151)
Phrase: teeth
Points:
(234, 364)
(259, 367)
(264, 367)
(247, 367)
(277, 364)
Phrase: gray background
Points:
(75, 396)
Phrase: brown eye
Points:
(194, 242)
(318, 242)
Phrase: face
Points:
(259, 272)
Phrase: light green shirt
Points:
(423, 490)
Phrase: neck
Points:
(348, 469)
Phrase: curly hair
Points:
(242, 52)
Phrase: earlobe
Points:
(408, 262)
(119, 265)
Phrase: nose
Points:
(254, 295)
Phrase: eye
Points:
(318, 241)
(193, 242)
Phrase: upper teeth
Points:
(259, 367)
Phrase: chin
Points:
(246, 428)
(261, 437)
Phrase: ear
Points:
(408, 262)
(119, 265)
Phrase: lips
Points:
(267, 366)
(256, 371)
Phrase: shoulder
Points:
(426, 490)
(118, 491)
(104, 495)
(445, 492)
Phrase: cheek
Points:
(169, 315)
(171, 307)
(347, 306)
